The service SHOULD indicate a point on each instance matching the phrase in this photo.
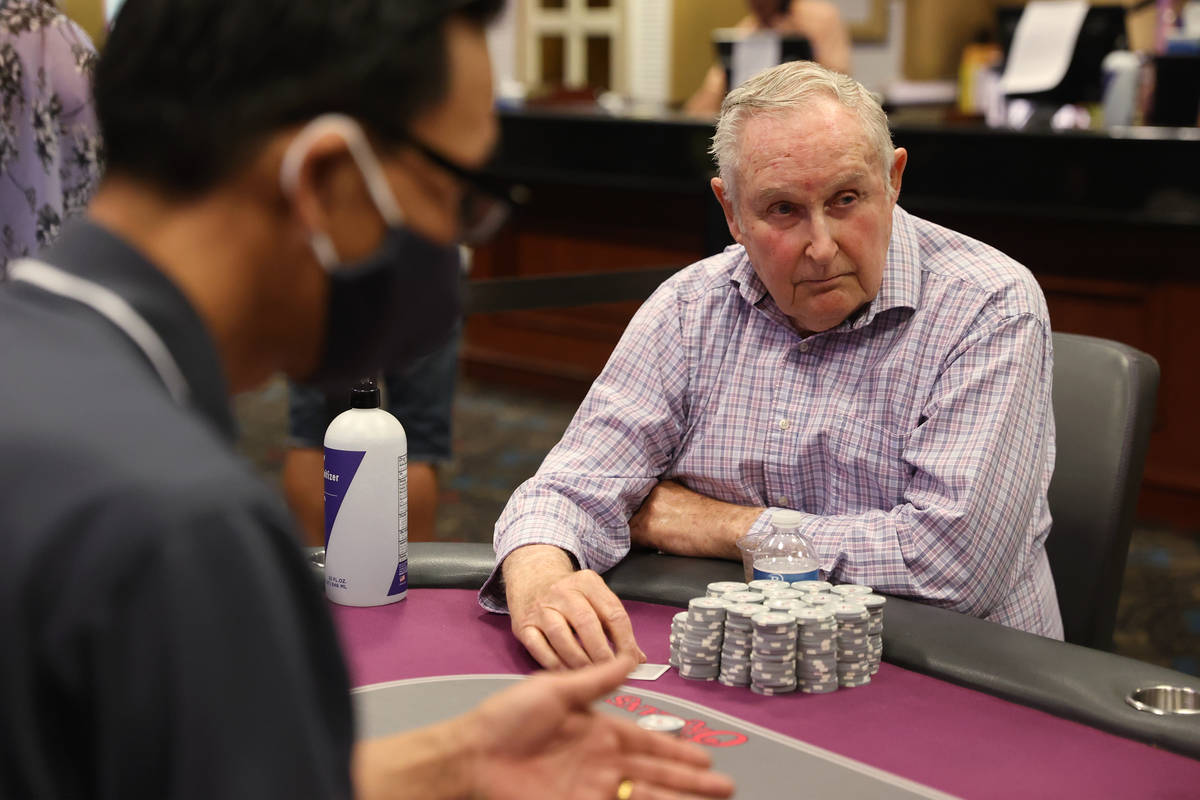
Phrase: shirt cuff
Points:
(492, 596)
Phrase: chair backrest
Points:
(1104, 398)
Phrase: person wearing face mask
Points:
(287, 184)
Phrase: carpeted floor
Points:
(501, 436)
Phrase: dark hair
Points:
(186, 90)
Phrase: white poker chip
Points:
(851, 612)
(871, 601)
(846, 589)
(773, 618)
(706, 604)
(762, 584)
(725, 587)
(812, 587)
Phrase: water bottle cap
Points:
(786, 519)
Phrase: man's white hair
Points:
(791, 87)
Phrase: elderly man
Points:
(885, 376)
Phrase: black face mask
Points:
(398, 304)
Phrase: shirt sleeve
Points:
(980, 462)
(211, 667)
(623, 437)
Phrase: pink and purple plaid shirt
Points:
(917, 436)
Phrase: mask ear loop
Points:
(364, 158)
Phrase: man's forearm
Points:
(432, 763)
(677, 520)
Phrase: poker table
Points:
(960, 707)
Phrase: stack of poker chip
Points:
(874, 604)
(722, 588)
(737, 647)
(773, 655)
(817, 652)
(853, 647)
(676, 635)
(703, 633)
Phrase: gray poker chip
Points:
(851, 612)
(762, 584)
(811, 586)
(781, 591)
(783, 604)
(849, 589)
(720, 588)
(743, 598)
(822, 598)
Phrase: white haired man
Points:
(885, 376)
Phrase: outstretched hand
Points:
(542, 739)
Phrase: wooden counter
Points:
(1108, 223)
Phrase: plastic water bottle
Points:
(785, 555)
(366, 503)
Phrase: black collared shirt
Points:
(162, 634)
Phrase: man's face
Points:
(813, 211)
(463, 129)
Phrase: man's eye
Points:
(845, 199)
(783, 208)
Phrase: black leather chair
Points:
(1104, 396)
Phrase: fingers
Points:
(535, 642)
(570, 622)
(581, 688)
(652, 773)
(616, 623)
(635, 740)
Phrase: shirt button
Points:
(783, 424)
(781, 500)
(803, 347)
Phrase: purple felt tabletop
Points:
(945, 736)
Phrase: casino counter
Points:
(1069, 682)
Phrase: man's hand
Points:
(676, 520)
(539, 739)
(563, 617)
(542, 739)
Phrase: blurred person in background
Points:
(50, 152)
(816, 20)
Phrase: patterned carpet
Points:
(500, 438)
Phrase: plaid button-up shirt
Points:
(917, 437)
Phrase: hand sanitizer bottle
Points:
(366, 503)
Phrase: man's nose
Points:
(822, 249)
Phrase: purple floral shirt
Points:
(50, 147)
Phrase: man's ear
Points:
(726, 201)
(899, 162)
(317, 191)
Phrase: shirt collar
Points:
(900, 288)
(90, 251)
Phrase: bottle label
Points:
(400, 580)
(340, 466)
(789, 577)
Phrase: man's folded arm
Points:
(981, 462)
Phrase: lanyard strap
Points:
(112, 307)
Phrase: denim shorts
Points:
(421, 397)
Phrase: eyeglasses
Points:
(487, 202)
